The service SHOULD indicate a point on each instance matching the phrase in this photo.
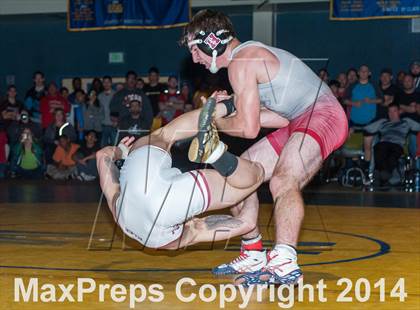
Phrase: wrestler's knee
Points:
(260, 173)
(282, 183)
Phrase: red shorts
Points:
(327, 125)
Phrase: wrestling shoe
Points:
(206, 146)
(247, 261)
(282, 268)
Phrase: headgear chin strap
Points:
(212, 44)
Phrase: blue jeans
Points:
(109, 134)
(412, 144)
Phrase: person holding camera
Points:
(26, 161)
(15, 129)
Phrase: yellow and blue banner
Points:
(373, 9)
(85, 15)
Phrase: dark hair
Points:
(11, 86)
(172, 77)
(334, 83)
(38, 73)
(153, 70)
(58, 110)
(52, 83)
(76, 79)
(63, 136)
(386, 70)
(140, 79)
(393, 104)
(107, 77)
(130, 72)
(96, 102)
(64, 89)
(352, 69)
(91, 131)
(323, 69)
(208, 21)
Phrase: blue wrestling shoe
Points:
(246, 262)
(282, 268)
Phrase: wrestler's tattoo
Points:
(222, 221)
(115, 173)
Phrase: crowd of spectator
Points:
(55, 132)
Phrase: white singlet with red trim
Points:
(295, 87)
(156, 199)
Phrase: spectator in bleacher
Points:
(153, 89)
(392, 132)
(120, 102)
(105, 101)
(363, 97)
(400, 80)
(119, 86)
(352, 77)
(407, 99)
(27, 160)
(76, 83)
(203, 90)
(96, 85)
(53, 100)
(186, 93)
(10, 106)
(15, 129)
(134, 124)
(64, 166)
(76, 116)
(93, 114)
(64, 92)
(52, 133)
(3, 150)
(86, 157)
(140, 83)
(342, 79)
(171, 102)
(323, 75)
(34, 95)
(388, 91)
(335, 86)
(415, 72)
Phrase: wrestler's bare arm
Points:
(109, 174)
(246, 121)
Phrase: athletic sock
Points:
(253, 244)
(286, 250)
(226, 164)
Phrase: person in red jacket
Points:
(49, 103)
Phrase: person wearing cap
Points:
(120, 101)
(133, 124)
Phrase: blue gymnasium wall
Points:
(41, 42)
(378, 43)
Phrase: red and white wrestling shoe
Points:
(282, 268)
(247, 261)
